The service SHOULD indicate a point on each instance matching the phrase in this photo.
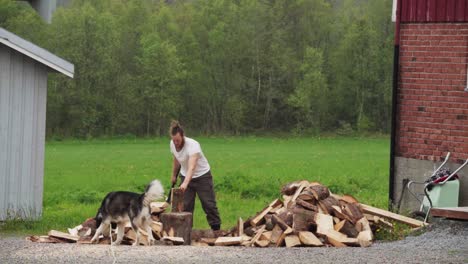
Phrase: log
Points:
(62, 235)
(324, 223)
(399, 218)
(177, 200)
(180, 223)
(292, 241)
(306, 205)
(320, 192)
(287, 217)
(309, 239)
(268, 223)
(130, 234)
(228, 241)
(346, 228)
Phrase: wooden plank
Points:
(451, 212)
(292, 241)
(210, 241)
(62, 235)
(400, 218)
(228, 241)
(309, 239)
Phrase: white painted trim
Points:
(35, 57)
(394, 6)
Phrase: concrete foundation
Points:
(420, 170)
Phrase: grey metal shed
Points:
(23, 93)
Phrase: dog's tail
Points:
(154, 191)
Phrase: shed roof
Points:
(37, 53)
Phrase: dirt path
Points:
(446, 242)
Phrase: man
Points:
(195, 174)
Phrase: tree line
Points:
(219, 66)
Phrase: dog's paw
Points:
(151, 242)
(135, 244)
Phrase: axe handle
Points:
(168, 200)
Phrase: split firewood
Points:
(268, 223)
(362, 225)
(257, 219)
(292, 241)
(262, 243)
(62, 235)
(324, 223)
(278, 221)
(349, 199)
(290, 188)
(353, 212)
(240, 227)
(320, 192)
(309, 239)
(276, 233)
(346, 228)
(257, 235)
(174, 240)
(307, 195)
(199, 244)
(210, 241)
(228, 241)
(328, 203)
(266, 235)
(306, 205)
(301, 187)
(365, 235)
(158, 207)
(303, 219)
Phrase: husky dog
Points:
(123, 207)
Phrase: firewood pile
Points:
(307, 215)
(310, 215)
(83, 233)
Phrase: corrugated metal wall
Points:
(23, 94)
(433, 10)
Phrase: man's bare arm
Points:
(191, 169)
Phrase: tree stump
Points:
(178, 225)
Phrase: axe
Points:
(168, 200)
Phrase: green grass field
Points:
(248, 173)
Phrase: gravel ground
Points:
(445, 242)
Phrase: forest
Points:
(220, 67)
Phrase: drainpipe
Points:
(396, 62)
